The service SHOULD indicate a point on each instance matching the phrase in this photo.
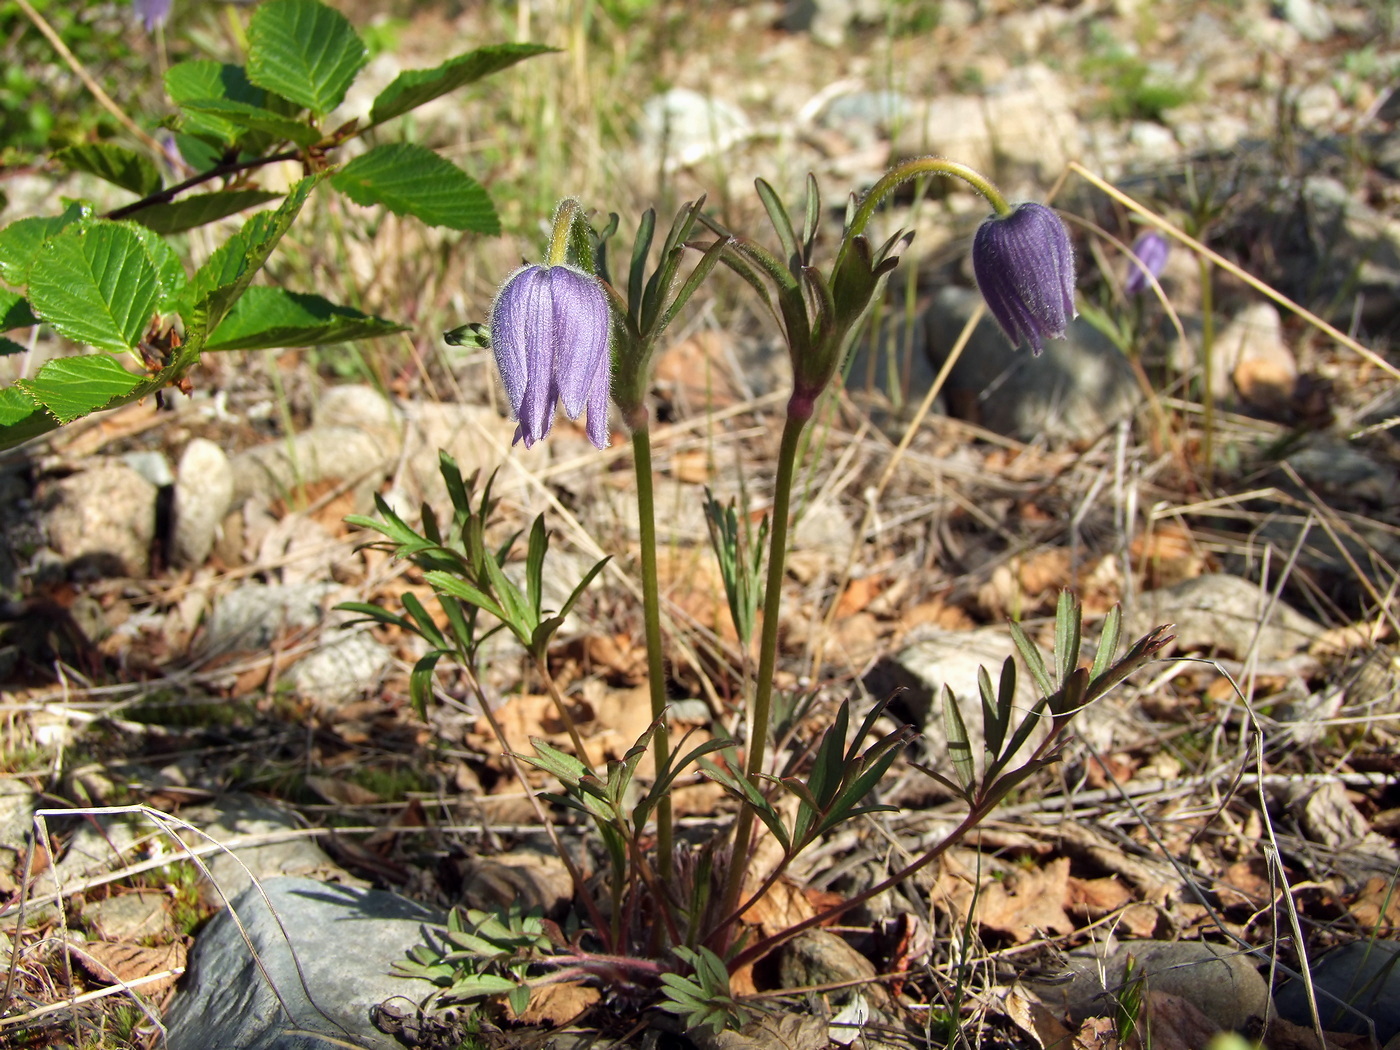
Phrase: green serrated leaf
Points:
(15, 406)
(243, 116)
(304, 51)
(116, 164)
(413, 180)
(70, 387)
(267, 318)
(15, 311)
(96, 285)
(20, 241)
(199, 209)
(203, 81)
(170, 271)
(226, 274)
(414, 87)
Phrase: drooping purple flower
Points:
(153, 13)
(1025, 270)
(551, 332)
(1149, 256)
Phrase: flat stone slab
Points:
(329, 960)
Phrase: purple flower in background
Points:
(153, 13)
(551, 330)
(1025, 270)
(1149, 257)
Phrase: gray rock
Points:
(477, 437)
(231, 871)
(17, 805)
(203, 495)
(326, 949)
(249, 618)
(343, 668)
(1251, 344)
(682, 127)
(347, 453)
(1364, 975)
(362, 408)
(1222, 614)
(1335, 468)
(129, 916)
(1026, 121)
(1363, 246)
(1078, 388)
(1309, 17)
(151, 465)
(1221, 982)
(102, 519)
(866, 116)
(919, 672)
(828, 20)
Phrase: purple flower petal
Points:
(1149, 257)
(152, 13)
(1025, 269)
(551, 331)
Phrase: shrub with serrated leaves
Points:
(114, 283)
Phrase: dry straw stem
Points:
(1225, 264)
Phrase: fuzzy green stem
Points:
(799, 414)
(564, 216)
(651, 611)
(912, 169)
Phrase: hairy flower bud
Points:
(1149, 257)
(551, 331)
(1025, 270)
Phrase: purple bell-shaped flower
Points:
(551, 332)
(1149, 257)
(1025, 270)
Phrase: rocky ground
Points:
(170, 645)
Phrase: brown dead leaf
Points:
(1167, 555)
(860, 593)
(1036, 1021)
(617, 655)
(1377, 906)
(784, 905)
(114, 963)
(1029, 904)
(555, 1005)
(1285, 1035)
(342, 792)
(1267, 384)
(1095, 898)
(1245, 883)
(1096, 1033)
(1177, 1023)
(782, 1031)
(939, 613)
(695, 372)
(691, 466)
(1100, 772)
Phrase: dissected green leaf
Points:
(413, 180)
(116, 164)
(266, 318)
(414, 87)
(1108, 642)
(70, 387)
(959, 748)
(95, 284)
(305, 51)
(1035, 662)
(1068, 627)
(15, 311)
(20, 241)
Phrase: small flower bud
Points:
(1025, 270)
(1149, 256)
(551, 330)
(152, 13)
